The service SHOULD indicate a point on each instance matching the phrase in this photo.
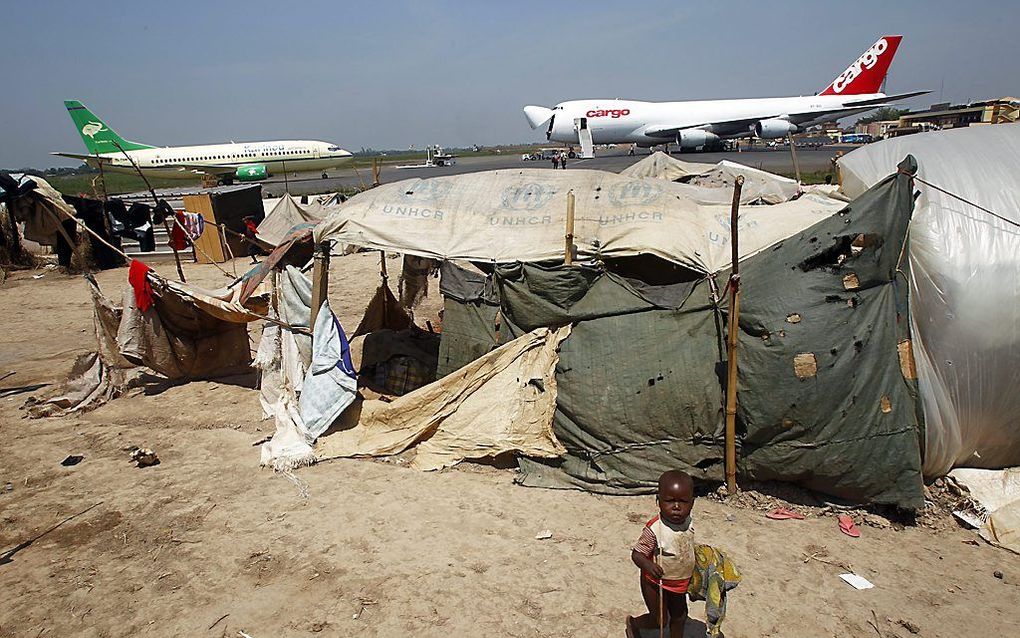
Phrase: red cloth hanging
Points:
(137, 277)
(178, 238)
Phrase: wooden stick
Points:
(375, 171)
(731, 344)
(320, 280)
(662, 607)
(568, 255)
(793, 152)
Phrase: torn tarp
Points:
(502, 402)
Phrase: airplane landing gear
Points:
(324, 175)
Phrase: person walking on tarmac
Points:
(555, 161)
(563, 160)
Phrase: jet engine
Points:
(693, 138)
(773, 128)
(251, 173)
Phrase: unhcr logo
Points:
(412, 212)
(634, 193)
(530, 196)
(430, 189)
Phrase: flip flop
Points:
(847, 526)
(631, 631)
(784, 513)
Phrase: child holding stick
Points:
(665, 555)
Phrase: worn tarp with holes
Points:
(822, 395)
(641, 379)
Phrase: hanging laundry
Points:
(138, 278)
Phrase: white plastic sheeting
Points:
(965, 287)
(759, 185)
(520, 215)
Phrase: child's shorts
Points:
(675, 586)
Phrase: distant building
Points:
(946, 115)
(877, 130)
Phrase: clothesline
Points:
(967, 201)
(153, 274)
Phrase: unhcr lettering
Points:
(644, 216)
(520, 220)
(413, 211)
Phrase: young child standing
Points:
(665, 555)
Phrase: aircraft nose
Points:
(537, 116)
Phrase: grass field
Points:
(116, 183)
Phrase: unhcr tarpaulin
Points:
(501, 402)
(965, 287)
(520, 215)
(713, 181)
(823, 396)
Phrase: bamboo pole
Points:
(320, 280)
(731, 345)
(793, 153)
(155, 200)
(568, 250)
(375, 172)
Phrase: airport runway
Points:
(776, 160)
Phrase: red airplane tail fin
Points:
(867, 73)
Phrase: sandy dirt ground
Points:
(208, 544)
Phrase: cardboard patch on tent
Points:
(907, 367)
(885, 404)
(850, 282)
(804, 365)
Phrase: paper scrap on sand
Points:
(857, 582)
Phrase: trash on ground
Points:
(72, 459)
(857, 582)
(144, 457)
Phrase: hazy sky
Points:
(390, 74)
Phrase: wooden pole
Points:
(375, 172)
(320, 277)
(385, 277)
(731, 345)
(320, 280)
(568, 254)
(155, 201)
(286, 184)
(793, 152)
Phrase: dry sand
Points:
(208, 544)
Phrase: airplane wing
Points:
(880, 101)
(730, 127)
(77, 156)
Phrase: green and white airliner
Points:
(244, 162)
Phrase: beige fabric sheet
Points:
(520, 215)
(501, 402)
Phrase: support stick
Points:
(662, 606)
(793, 152)
(320, 280)
(375, 171)
(568, 255)
(286, 184)
(731, 345)
(385, 277)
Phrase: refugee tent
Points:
(964, 287)
(825, 398)
(285, 215)
(759, 186)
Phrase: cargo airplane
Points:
(245, 162)
(704, 124)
